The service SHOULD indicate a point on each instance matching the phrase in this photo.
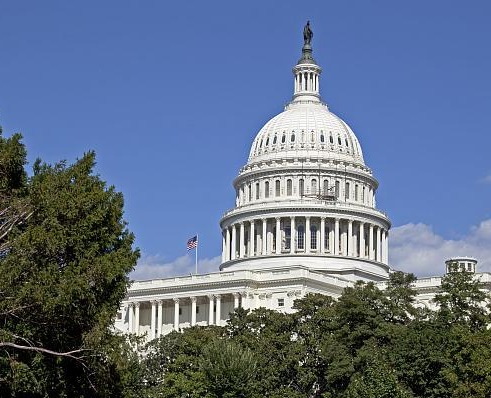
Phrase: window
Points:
(288, 238)
(283, 139)
(313, 237)
(322, 138)
(250, 192)
(336, 189)
(325, 188)
(356, 192)
(274, 240)
(326, 237)
(312, 137)
(266, 189)
(261, 144)
(180, 311)
(363, 194)
(197, 309)
(331, 140)
(346, 142)
(346, 190)
(275, 139)
(257, 190)
(314, 186)
(339, 140)
(267, 141)
(281, 302)
(277, 188)
(469, 267)
(289, 187)
(292, 139)
(301, 186)
(301, 237)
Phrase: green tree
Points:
(462, 301)
(63, 272)
(228, 369)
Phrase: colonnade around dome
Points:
(309, 235)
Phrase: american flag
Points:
(192, 243)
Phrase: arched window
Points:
(288, 238)
(292, 139)
(275, 139)
(314, 186)
(326, 237)
(322, 138)
(267, 141)
(336, 189)
(266, 189)
(339, 140)
(312, 137)
(277, 188)
(301, 237)
(331, 140)
(356, 192)
(363, 194)
(346, 190)
(283, 139)
(301, 186)
(261, 144)
(313, 237)
(346, 141)
(250, 192)
(325, 188)
(257, 190)
(289, 187)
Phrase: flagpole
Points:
(196, 254)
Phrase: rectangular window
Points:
(266, 189)
(288, 238)
(346, 190)
(277, 188)
(257, 190)
(281, 302)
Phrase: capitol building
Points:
(305, 221)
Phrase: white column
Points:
(227, 244)
(153, 320)
(210, 311)
(331, 238)
(370, 242)
(350, 238)
(252, 239)
(264, 236)
(137, 318)
(292, 235)
(384, 249)
(362, 240)
(378, 245)
(176, 314)
(131, 321)
(193, 311)
(159, 318)
(241, 241)
(234, 242)
(245, 303)
(323, 235)
(278, 235)
(236, 300)
(218, 310)
(336, 236)
(308, 238)
(224, 247)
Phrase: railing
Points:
(313, 202)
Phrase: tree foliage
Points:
(66, 254)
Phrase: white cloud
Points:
(487, 179)
(416, 248)
(154, 267)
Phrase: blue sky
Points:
(171, 94)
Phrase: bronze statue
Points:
(307, 34)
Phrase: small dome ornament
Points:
(307, 34)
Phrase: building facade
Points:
(305, 221)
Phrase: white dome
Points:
(306, 130)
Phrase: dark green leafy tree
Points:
(461, 301)
(66, 254)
